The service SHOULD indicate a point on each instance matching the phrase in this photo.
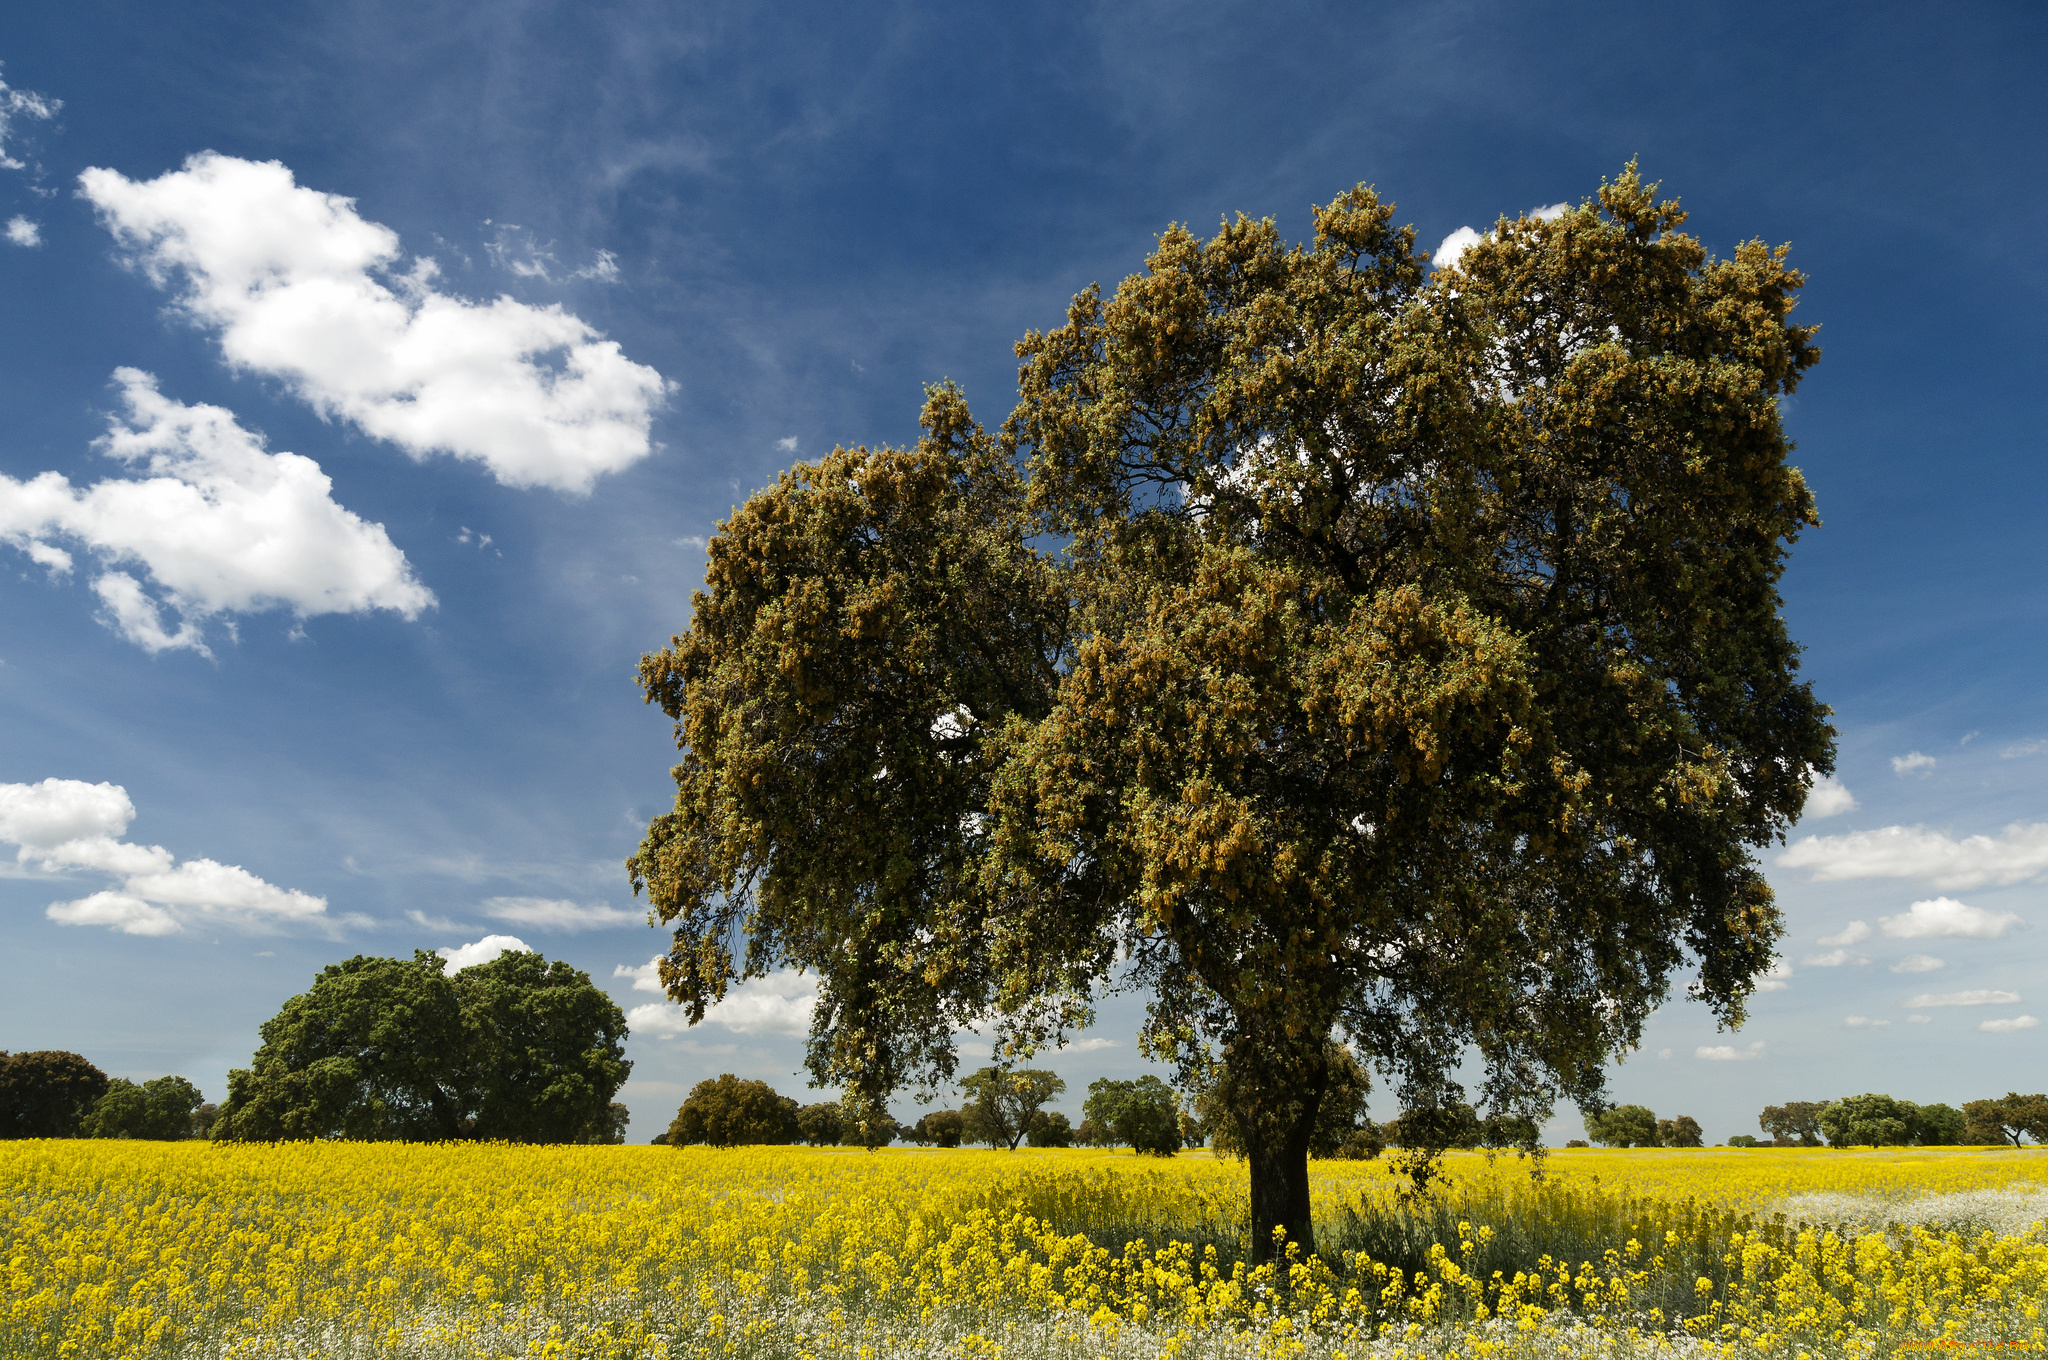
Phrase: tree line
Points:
(52, 1093)
(1874, 1120)
(518, 1049)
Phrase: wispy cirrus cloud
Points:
(550, 913)
(1982, 996)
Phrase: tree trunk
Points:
(1280, 1198)
(1276, 1147)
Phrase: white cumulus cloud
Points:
(1093, 1044)
(646, 977)
(1728, 1052)
(1983, 996)
(1829, 797)
(780, 1003)
(1919, 1019)
(1834, 958)
(1945, 918)
(22, 232)
(1918, 963)
(219, 525)
(1854, 933)
(68, 824)
(1861, 1022)
(1453, 248)
(1913, 762)
(2008, 1026)
(299, 286)
(1778, 979)
(483, 951)
(546, 913)
(2014, 855)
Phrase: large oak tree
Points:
(1328, 646)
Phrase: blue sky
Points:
(674, 247)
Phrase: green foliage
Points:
(1223, 1107)
(728, 1111)
(161, 1109)
(1001, 1103)
(518, 1049)
(2004, 1121)
(1682, 1132)
(1869, 1120)
(1050, 1129)
(546, 1047)
(877, 1131)
(820, 1124)
(1456, 1125)
(1796, 1123)
(1141, 1114)
(1409, 668)
(1623, 1126)
(1744, 1140)
(1937, 1125)
(940, 1128)
(611, 1129)
(47, 1093)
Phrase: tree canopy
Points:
(47, 1093)
(161, 1108)
(1002, 1102)
(1141, 1113)
(1323, 645)
(518, 1048)
(730, 1111)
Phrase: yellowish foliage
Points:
(315, 1250)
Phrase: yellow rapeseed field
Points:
(117, 1249)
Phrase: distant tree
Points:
(1004, 1101)
(47, 1093)
(203, 1120)
(518, 1049)
(546, 1049)
(941, 1128)
(1455, 1125)
(728, 1111)
(1338, 1116)
(659, 1139)
(159, 1109)
(1682, 1132)
(877, 1130)
(1090, 1134)
(1935, 1125)
(1575, 1143)
(1050, 1129)
(612, 1128)
(1744, 1140)
(1796, 1123)
(2005, 1120)
(820, 1124)
(1142, 1114)
(1623, 1126)
(1868, 1120)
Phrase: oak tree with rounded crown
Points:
(1326, 646)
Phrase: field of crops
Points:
(113, 1249)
